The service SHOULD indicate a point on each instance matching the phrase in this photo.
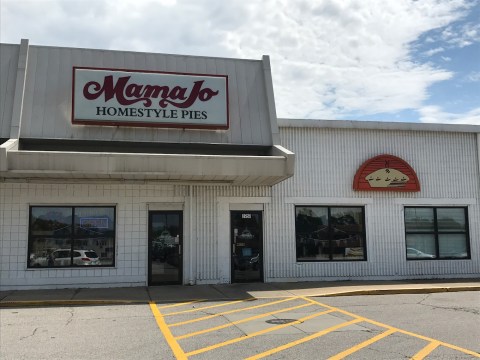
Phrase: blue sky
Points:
(456, 48)
(390, 60)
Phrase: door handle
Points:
(179, 249)
(233, 248)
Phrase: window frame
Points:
(72, 237)
(436, 232)
(330, 240)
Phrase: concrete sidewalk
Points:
(179, 293)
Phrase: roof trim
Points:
(137, 52)
(376, 125)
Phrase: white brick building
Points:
(219, 193)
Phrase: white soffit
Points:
(230, 169)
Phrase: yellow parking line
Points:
(179, 304)
(261, 332)
(229, 312)
(454, 347)
(357, 347)
(426, 338)
(240, 321)
(177, 350)
(208, 307)
(426, 350)
(304, 340)
(451, 346)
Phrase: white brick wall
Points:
(131, 239)
(132, 202)
(445, 163)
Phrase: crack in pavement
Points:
(467, 310)
(424, 298)
(382, 352)
(464, 309)
(32, 334)
(70, 319)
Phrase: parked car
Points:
(413, 253)
(63, 257)
(39, 259)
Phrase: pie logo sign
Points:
(386, 173)
(386, 177)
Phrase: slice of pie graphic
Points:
(387, 178)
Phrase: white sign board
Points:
(156, 99)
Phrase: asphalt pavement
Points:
(223, 292)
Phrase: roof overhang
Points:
(244, 170)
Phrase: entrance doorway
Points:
(247, 246)
(165, 240)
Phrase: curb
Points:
(400, 291)
(44, 303)
(40, 303)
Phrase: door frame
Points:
(232, 270)
(149, 252)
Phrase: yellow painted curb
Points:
(33, 303)
(39, 303)
(399, 291)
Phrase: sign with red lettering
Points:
(146, 98)
(386, 173)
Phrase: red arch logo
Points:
(386, 173)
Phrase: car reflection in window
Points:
(417, 254)
(63, 257)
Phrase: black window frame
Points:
(330, 232)
(436, 232)
(73, 236)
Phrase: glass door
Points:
(165, 247)
(247, 246)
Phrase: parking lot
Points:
(237, 329)
(417, 326)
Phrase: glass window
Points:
(451, 220)
(52, 222)
(453, 246)
(436, 233)
(327, 233)
(421, 246)
(71, 236)
(419, 219)
(95, 231)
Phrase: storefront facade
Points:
(440, 219)
(98, 187)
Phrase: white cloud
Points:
(474, 76)
(434, 51)
(461, 36)
(354, 55)
(329, 58)
(435, 114)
